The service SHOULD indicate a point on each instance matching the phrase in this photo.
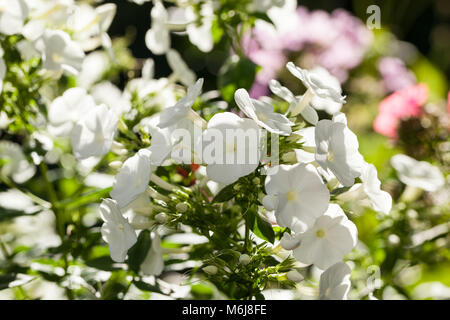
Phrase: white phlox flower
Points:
(13, 14)
(319, 82)
(90, 25)
(60, 52)
(13, 162)
(419, 174)
(307, 112)
(200, 33)
(107, 93)
(116, 231)
(301, 196)
(331, 237)
(94, 66)
(230, 147)
(263, 114)
(381, 200)
(46, 14)
(133, 178)
(67, 109)
(308, 141)
(161, 142)
(180, 69)
(337, 149)
(157, 38)
(93, 135)
(139, 212)
(153, 263)
(182, 110)
(335, 282)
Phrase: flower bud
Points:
(256, 180)
(181, 207)
(211, 270)
(161, 218)
(236, 187)
(116, 164)
(294, 276)
(244, 259)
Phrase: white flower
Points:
(46, 14)
(200, 34)
(90, 25)
(161, 143)
(13, 14)
(94, 66)
(60, 52)
(308, 141)
(107, 93)
(67, 109)
(307, 112)
(335, 282)
(93, 135)
(180, 68)
(319, 81)
(182, 109)
(232, 159)
(13, 162)
(381, 200)
(263, 114)
(138, 212)
(337, 149)
(301, 195)
(419, 174)
(157, 38)
(331, 237)
(132, 179)
(116, 231)
(153, 263)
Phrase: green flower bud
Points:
(244, 259)
(211, 270)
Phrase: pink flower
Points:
(400, 105)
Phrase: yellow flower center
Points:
(56, 57)
(291, 195)
(320, 233)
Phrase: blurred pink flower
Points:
(336, 41)
(395, 74)
(402, 104)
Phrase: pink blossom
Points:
(400, 105)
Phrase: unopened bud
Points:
(161, 218)
(211, 270)
(116, 164)
(244, 259)
(236, 187)
(181, 207)
(256, 180)
(294, 276)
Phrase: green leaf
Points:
(338, 191)
(144, 286)
(264, 229)
(137, 253)
(5, 280)
(225, 194)
(236, 73)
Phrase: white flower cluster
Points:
(299, 193)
